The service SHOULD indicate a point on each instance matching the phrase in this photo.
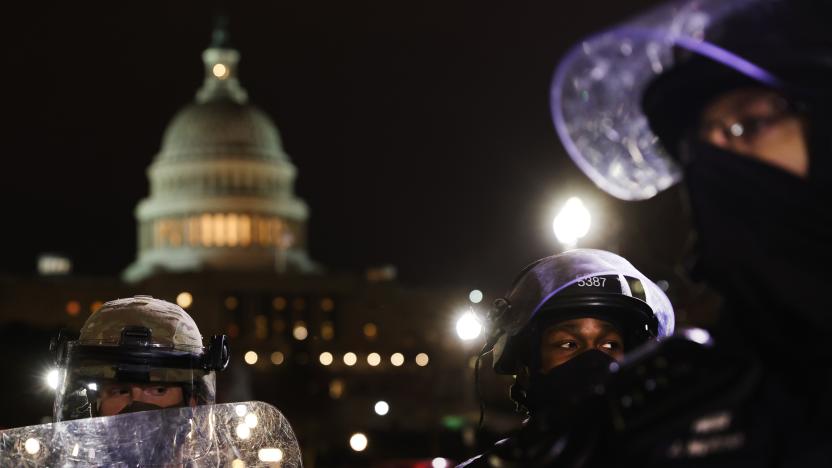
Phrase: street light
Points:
(381, 408)
(358, 442)
(572, 222)
(468, 326)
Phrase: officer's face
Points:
(565, 340)
(116, 396)
(757, 123)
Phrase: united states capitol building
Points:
(223, 234)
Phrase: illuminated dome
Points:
(221, 187)
(221, 128)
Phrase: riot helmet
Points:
(136, 354)
(631, 106)
(622, 99)
(579, 283)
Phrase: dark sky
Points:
(421, 130)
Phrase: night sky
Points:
(421, 130)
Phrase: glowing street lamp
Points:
(52, 379)
(572, 222)
(468, 326)
(358, 442)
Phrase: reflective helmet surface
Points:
(569, 285)
(598, 90)
(139, 341)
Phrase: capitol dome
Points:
(221, 187)
(220, 128)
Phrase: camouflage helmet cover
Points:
(170, 326)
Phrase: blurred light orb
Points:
(350, 359)
(93, 387)
(397, 359)
(300, 332)
(237, 463)
(243, 431)
(358, 442)
(52, 379)
(32, 446)
(468, 326)
(373, 359)
(325, 358)
(277, 358)
(220, 71)
(184, 299)
(439, 462)
(572, 222)
(270, 455)
(381, 408)
(241, 410)
(251, 420)
(251, 358)
(475, 296)
(422, 359)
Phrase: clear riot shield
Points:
(238, 435)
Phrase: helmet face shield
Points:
(598, 90)
(109, 380)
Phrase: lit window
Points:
(245, 230)
(231, 229)
(422, 359)
(350, 359)
(73, 308)
(263, 237)
(219, 229)
(275, 230)
(327, 331)
(325, 358)
(397, 359)
(193, 230)
(184, 299)
(279, 303)
(277, 358)
(175, 232)
(373, 359)
(327, 304)
(206, 230)
(370, 330)
(336, 388)
(261, 327)
(299, 331)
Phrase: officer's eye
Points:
(158, 391)
(568, 345)
(611, 346)
(118, 391)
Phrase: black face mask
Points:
(765, 243)
(137, 406)
(559, 390)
